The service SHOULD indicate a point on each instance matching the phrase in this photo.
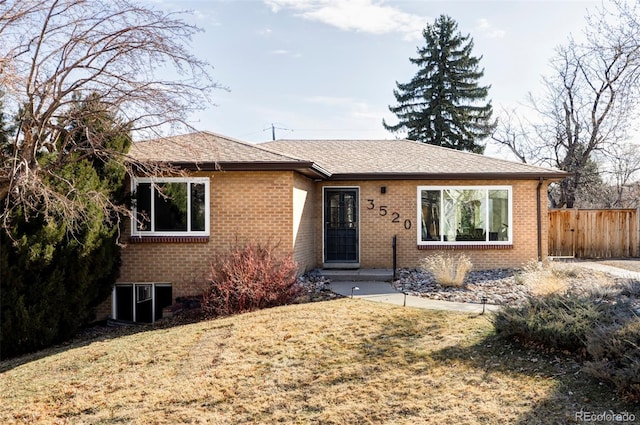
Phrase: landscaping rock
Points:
(500, 286)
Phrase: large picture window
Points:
(171, 206)
(467, 215)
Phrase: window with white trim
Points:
(472, 215)
(177, 206)
(140, 302)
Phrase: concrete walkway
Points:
(605, 268)
(383, 292)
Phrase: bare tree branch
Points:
(53, 52)
(624, 173)
(589, 101)
(513, 134)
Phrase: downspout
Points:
(539, 217)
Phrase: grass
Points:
(448, 269)
(347, 361)
(559, 278)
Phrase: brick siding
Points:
(304, 238)
(245, 207)
(377, 231)
(285, 208)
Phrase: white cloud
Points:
(277, 5)
(355, 15)
(488, 30)
(284, 52)
(265, 32)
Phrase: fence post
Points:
(636, 246)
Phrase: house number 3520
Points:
(384, 211)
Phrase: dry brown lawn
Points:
(339, 362)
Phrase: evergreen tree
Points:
(52, 276)
(443, 103)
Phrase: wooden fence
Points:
(613, 233)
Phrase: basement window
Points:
(465, 215)
(140, 302)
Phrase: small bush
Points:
(543, 279)
(448, 269)
(555, 321)
(615, 351)
(249, 278)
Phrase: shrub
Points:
(249, 278)
(615, 351)
(596, 321)
(561, 322)
(448, 269)
(542, 279)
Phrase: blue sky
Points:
(326, 69)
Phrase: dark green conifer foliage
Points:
(51, 279)
(443, 103)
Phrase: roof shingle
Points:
(402, 157)
(204, 147)
(336, 159)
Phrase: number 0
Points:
(407, 224)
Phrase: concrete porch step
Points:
(358, 275)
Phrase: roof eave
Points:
(550, 176)
(307, 168)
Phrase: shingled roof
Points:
(403, 159)
(209, 151)
(334, 159)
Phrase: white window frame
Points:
(136, 285)
(153, 181)
(486, 188)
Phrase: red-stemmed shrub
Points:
(249, 278)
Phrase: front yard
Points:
(346, 361)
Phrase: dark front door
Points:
(341, 225)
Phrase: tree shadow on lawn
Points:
(96, 332)
(575, 391)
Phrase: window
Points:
(171, 206)
(467, 215)
(140, 302)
